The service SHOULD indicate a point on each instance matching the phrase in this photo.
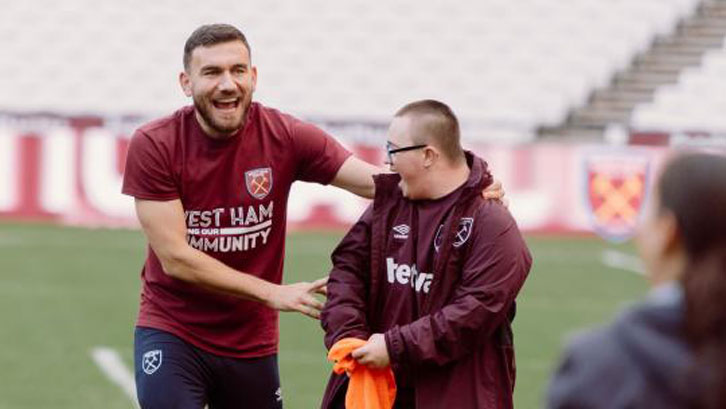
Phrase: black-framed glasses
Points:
(391, 149)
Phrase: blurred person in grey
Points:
(668, 351)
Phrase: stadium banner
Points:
(69, 171)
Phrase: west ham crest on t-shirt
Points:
(259, 182)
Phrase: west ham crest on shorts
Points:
(259, 182)
(462, 233)
(615, 191)
(151, 361)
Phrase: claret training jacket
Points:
(438, 278)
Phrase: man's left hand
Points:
(495, 191)
(374, 353)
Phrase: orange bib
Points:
(367, 388)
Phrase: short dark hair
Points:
(438, 124)
(211, 34)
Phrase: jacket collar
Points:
(479, 178)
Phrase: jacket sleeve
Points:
(494, 270)
(595, 373)
(344, 314)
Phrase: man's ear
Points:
(431, 154)
(186, 83)
(254, 78)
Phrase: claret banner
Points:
(69, 170)
(65, 169)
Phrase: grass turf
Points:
(64, 291)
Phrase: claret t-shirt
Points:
(234, 194)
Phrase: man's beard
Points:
(206, 114)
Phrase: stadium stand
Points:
(507, 67)
(676, 85)
(697, 102)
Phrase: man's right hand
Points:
(298, 297)
(164, 226)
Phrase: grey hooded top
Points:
(639, 361)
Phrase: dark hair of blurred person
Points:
(699, 210)
(668, 351)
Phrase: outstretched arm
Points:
(356, 176)
(164, 226)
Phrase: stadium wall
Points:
(69, 171)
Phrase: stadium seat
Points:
(524, 62)
(696, 102)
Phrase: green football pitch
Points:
(66, 291)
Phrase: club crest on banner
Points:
(259, 182)
(151, 361)
(462, 233)
(615, 191)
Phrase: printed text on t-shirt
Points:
(247, 228)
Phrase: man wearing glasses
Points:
(429, 274)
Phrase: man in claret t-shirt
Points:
(211, 183)
(429, 274)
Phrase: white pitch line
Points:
(622, 261)
(115, 370)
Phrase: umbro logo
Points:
(401, 231)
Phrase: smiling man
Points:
(211, 184)
(429, 274)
